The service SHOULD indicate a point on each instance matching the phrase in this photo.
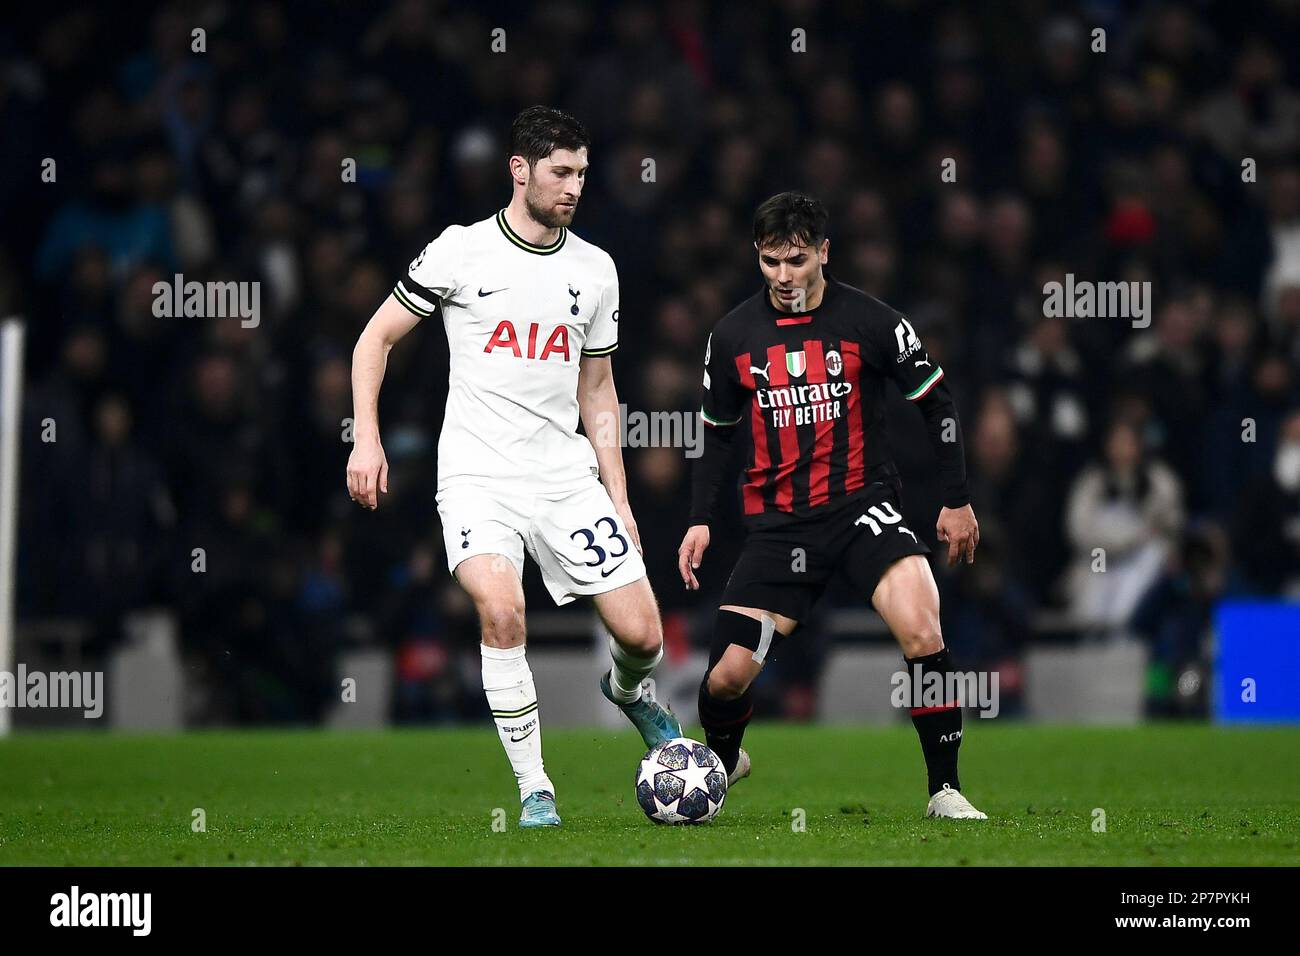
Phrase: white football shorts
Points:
(576, 537)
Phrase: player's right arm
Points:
(367, 466)
(721, 409)
(430, 278)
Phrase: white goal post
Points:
(11, 396)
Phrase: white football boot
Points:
(742, 768)
(950, 803)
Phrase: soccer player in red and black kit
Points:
(801, 367)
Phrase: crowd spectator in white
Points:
(1130, 507)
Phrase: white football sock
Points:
(508, 683)
(629, 671)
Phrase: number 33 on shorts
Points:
(582, 546)
(599, 555)
(576, 537)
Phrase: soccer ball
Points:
(681, 781)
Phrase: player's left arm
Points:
(956, 526)
(921, 381)
(598, 407)
(598, 399)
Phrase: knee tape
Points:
(732, 628)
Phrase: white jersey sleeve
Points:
(434, 274)
(602, 337)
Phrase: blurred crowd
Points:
(198, 463)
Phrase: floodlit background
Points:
(1171, 157)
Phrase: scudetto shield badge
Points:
(796, 363)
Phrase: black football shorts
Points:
(786, 568)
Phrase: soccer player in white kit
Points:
(531, 315)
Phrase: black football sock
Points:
(938, 726)
(724, 723)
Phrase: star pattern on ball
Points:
(672, 782)
(695, 777)
(646, 773)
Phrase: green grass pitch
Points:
(1172, 795)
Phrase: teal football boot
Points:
(539, 810)
(655, 722)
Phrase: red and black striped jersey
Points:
(809, 389)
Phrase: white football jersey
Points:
(518, 319)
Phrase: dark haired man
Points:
(531, 315)
(801, 366)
